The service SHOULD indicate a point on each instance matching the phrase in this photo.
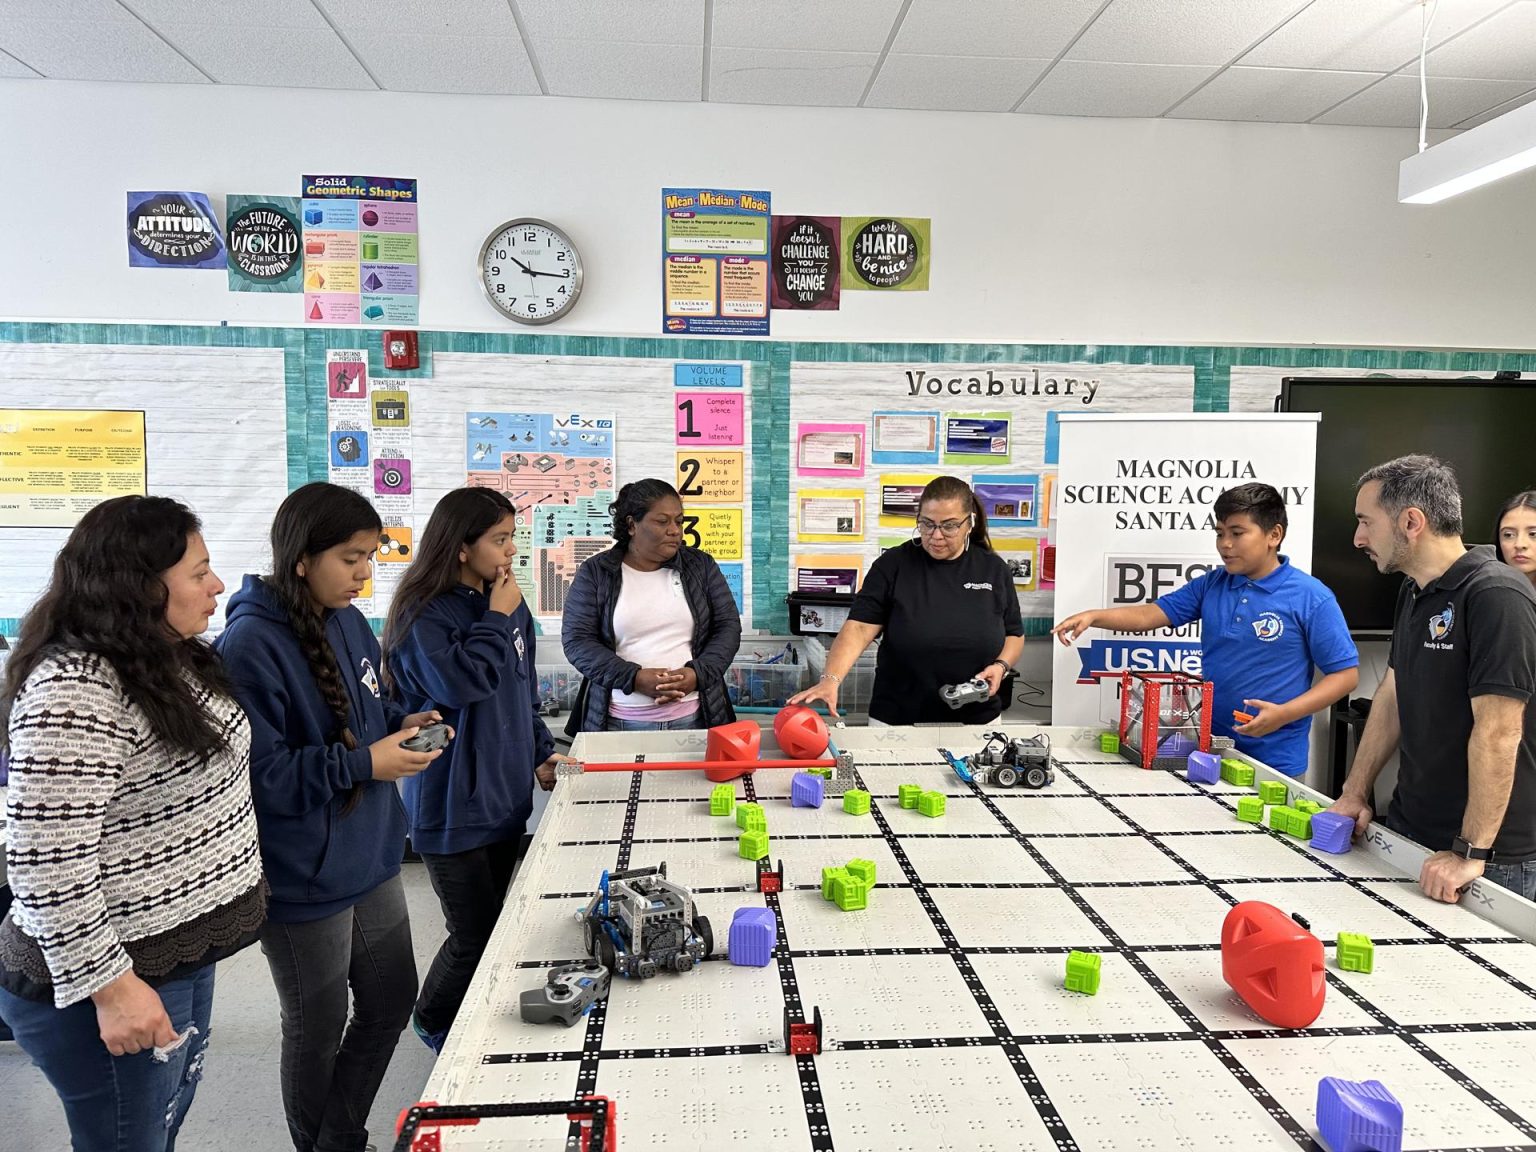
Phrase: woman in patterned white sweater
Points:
(131, 836)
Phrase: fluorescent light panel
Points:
(1501, 147)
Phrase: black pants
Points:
(332, 1068)
(470, 886)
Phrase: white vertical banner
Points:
(1134, 522)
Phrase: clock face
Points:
(530, 271)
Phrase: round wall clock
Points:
(530, 271)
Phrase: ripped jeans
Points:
(118, 1103)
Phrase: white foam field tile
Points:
(717, 1003)
(603, 821)
(694, 864)
(1031, 994)
(1071, 814)
(1195, 978)
(1188, 914)
(928, 1100)
(1124, 779)
(550, 932)
(1518, 959)
(804, 859)
(930, 775)
(1437, 1112)
(1330, 907)
(1096, 859)
(736, 1102)
(894, 919)
(1174, 813)
(1419, 984)
(1499, 1062)
(1358, 863)
(1457, 921)
(961, 814)
(982, 918)
(986, 860)
(658, 820)
(669, 784)
(600, 785)
(1257, 857)
(887, 997)
(497, 1084)
(1151, 1097)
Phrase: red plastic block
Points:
(800, 732)
(1273, 963)
(770, 879)
(739, 741)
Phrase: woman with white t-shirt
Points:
(651, 623)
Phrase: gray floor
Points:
(238, 1105)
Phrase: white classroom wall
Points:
(1045, 229)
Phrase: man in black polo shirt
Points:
(1453, 701)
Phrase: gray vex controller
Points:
(569, 992)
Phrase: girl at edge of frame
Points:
(133, 848)
(945, 603)
(326, 751)
(460, 639)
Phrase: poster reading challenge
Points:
(715, 261)
(360, 250)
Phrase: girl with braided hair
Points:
(326, 750)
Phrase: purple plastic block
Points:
(1332, 832)
(753, 931)
(1203, 768)
(1358, 1116)
(1177, 744)
(805, 790)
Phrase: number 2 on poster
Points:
(709, 418)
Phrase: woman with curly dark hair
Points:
(326, 750)
(650, 624)
(132, 842)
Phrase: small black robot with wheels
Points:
(1018, 762)
(639, 922)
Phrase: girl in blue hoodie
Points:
(325, 754)
(460, 638)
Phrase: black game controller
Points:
(429, 739)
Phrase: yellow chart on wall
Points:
(717, 531)
(56, 464)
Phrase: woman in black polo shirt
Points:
(945, 603)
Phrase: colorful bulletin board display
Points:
(1009, 501)
(59, 463)
(265, 243)
(705, 476)
(361, 255)
(1021, 554)
(976, 437)
(886, 253)
(904, 438)
(715, 261)
(830, 450)
(839, 572)
(897, 495)
(173, 230)
(807, 274)
(710, 419)
(830, 515)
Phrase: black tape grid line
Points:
(1491, 1102)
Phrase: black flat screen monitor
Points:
(1485, 429)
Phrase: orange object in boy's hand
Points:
(1240, 717)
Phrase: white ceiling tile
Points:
(1365, 35)
(382, 18)
(771, 76)
(1091, 88)
(286, 57)
(1180, 31)
(953, 83)
(1279, 95)
(633, 21)
(1500, 48)
(166, 15)
(13, 69)
(1036, 29)
(413, 62)
(118, 47)
(845, 26)
(619, 71)
(1492, 113)
(1395, 101)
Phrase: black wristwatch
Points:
(1463, 848)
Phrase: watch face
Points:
(530, 271)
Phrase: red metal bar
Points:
(668, 765)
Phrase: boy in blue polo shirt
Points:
(1264, 625)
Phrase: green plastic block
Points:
(753, 821)
(931, 803)
(849, 892)
(827, 876)
(863, 869)
(1083, 972)
(856, 801)
(1310, 807)
(1250, 809)
(1272, 792)
(1290, 821)
(1236, 773)
(909, 794)
(1109, 742)
(745, 814)
(753, 844)
(1355, 952)
(825, 773)
(722, 798)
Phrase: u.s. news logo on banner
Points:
(1109, 658)
(1140, 579)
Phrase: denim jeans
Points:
(682, 723)
(470, 886)
(117, 1103)
(1518, 878)
(332, 1068)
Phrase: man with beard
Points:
(1453, 701)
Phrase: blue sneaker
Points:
(433, 1040)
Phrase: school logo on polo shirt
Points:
(1440, 627)
(370, 678)
(984, 586)
(1268, 627)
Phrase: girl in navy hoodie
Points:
(325, 755)
(460, 638)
